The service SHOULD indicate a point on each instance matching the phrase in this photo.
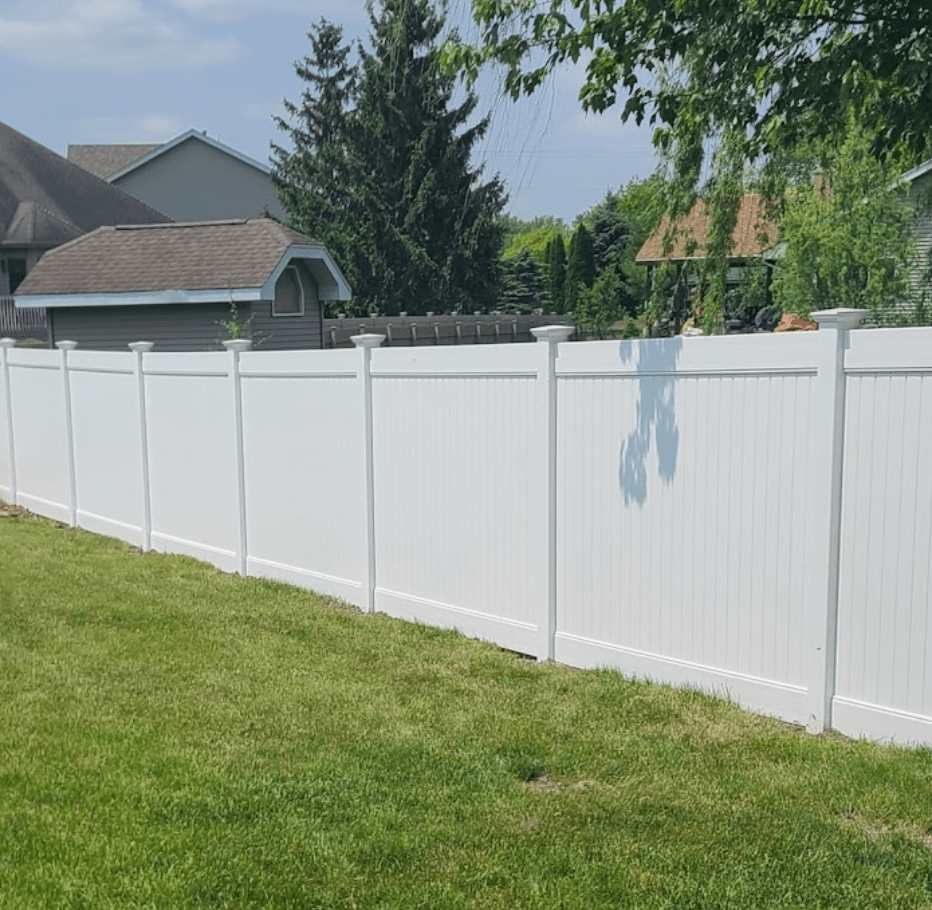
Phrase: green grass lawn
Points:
(171, 737)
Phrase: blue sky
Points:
(88, 71)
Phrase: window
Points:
(289, 295)
(17, 271)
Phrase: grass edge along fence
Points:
(746, 515)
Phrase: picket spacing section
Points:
(683, 502)
(884, 672)
(304, 448)
(107, 444)
(459, 443)
(40, 433)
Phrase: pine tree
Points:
(312, 179)
(381, 171)
(521, 290)
(431, 235)
(556, 259)
(580, 267)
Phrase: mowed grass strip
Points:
(172, 737)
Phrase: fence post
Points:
(65, 347)
(5, 345)
(364, 344)
(236, 346)
(139, 348)
(829, 405)
(551, 335)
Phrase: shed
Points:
(180, 285)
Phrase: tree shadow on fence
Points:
(656, 416)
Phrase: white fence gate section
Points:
(751, 515)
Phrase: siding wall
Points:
(920, 196)
(195, 182)
(184, 327)
(275, 333)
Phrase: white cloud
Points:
(141, 128)
(225, 10)
(124, 36)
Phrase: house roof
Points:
(177, 263)
(755, 233)
(104, 160)
(917, 172)
(45, 199)
(115, 161)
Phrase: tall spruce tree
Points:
(418, 230)
(556, 261)
(312, 179)
(431, 233)
(580, 267)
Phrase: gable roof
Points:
(755, 233)
(60, 197)
(104, 160)
(917, 172)
(194, 262)
(158, 150)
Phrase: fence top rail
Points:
(907, 350)
(518, 360)
(726, 356)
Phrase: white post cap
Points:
(368, 340)
(7, 342)
(237, 345)
(839, 318)
(66, 345)
(141, 347)
(553, 334)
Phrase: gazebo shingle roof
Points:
(755, 233)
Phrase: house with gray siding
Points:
(191, 178)
(919, 181)
(180, 285)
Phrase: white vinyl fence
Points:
(750, 515)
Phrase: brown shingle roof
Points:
(104, 160)
(754, 233)
(185, 257)
(59, 192)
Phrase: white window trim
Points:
(297, 277)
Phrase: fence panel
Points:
(459, 439)
(304, 464)
(192, 456)
(40, 433)
(107, 450)
(884, 680)
(682, 511)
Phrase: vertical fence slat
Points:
(6, 344)
(65, 347)
(365, 343)
(236, 346)
(551, 335)
(139, 348)
(834, 326)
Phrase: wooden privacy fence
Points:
(411, 331)
(22, 323)
(751, 515)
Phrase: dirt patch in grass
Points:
(876, 831)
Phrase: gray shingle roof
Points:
(104, 160)
(60, 192)
(190, 257)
